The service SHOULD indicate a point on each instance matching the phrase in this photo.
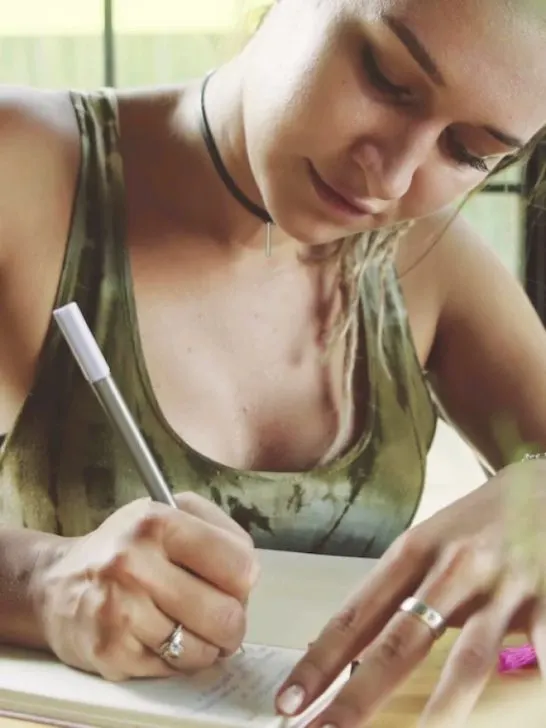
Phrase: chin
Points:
(311, 230)
(311, 225)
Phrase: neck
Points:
(221, 215)
(208, 207)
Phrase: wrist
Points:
(25, 558)
(47, 555)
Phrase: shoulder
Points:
(445, 268)
(33, 121)
(39, 157)
(39, 167)
(440, 246)
(467, 270)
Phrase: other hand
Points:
(481, 563)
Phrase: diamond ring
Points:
(173, 647)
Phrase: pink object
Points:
(517, 658)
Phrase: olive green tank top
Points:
(63, 469)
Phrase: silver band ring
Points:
(173, 647)
(429, 616)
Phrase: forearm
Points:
(24, 556)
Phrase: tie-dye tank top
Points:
(63, 470)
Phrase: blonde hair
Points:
(355, 253)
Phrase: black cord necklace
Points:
(220, 167)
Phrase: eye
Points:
(462, 156)
(400, 94)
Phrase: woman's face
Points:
(362, 113)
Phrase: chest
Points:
(235, 356)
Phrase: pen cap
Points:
(82, 343)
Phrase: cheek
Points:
(313, 107)
(275, 114)
(289, 126)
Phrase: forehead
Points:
(492, 53)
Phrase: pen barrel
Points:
(114, 405)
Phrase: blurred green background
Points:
(61, 44)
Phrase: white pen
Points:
(97, 372)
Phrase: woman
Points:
(232, 244)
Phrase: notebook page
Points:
(236, 692)
(295, 596)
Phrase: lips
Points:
(339, 199)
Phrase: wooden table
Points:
(404, 709)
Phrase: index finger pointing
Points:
(323, 662)
(346, 635)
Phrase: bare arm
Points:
(38, 168)
(489, 353)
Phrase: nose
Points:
(391, 160)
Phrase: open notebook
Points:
(296, 595)
(237, 692)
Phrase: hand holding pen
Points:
(161, 585)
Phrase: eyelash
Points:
(402, 96)
(380, 81)
(462, 155)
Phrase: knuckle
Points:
(221, 621)
(345, 621)
(471, 560)
(246, 538)
(410, 547)
(230, 620)
(207, 510)
(474, 659)
(319, 666)
(457, 556)
(311, 671)
(206, 655)
(188, 501)
(459, 551)
(116, 568)
(528, 585)
(149, 525)
(120, 570)
(239, 561)
(248, 568)
(392, 648)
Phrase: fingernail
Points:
(291, 700)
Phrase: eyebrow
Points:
(415, 47)
(420, 54)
